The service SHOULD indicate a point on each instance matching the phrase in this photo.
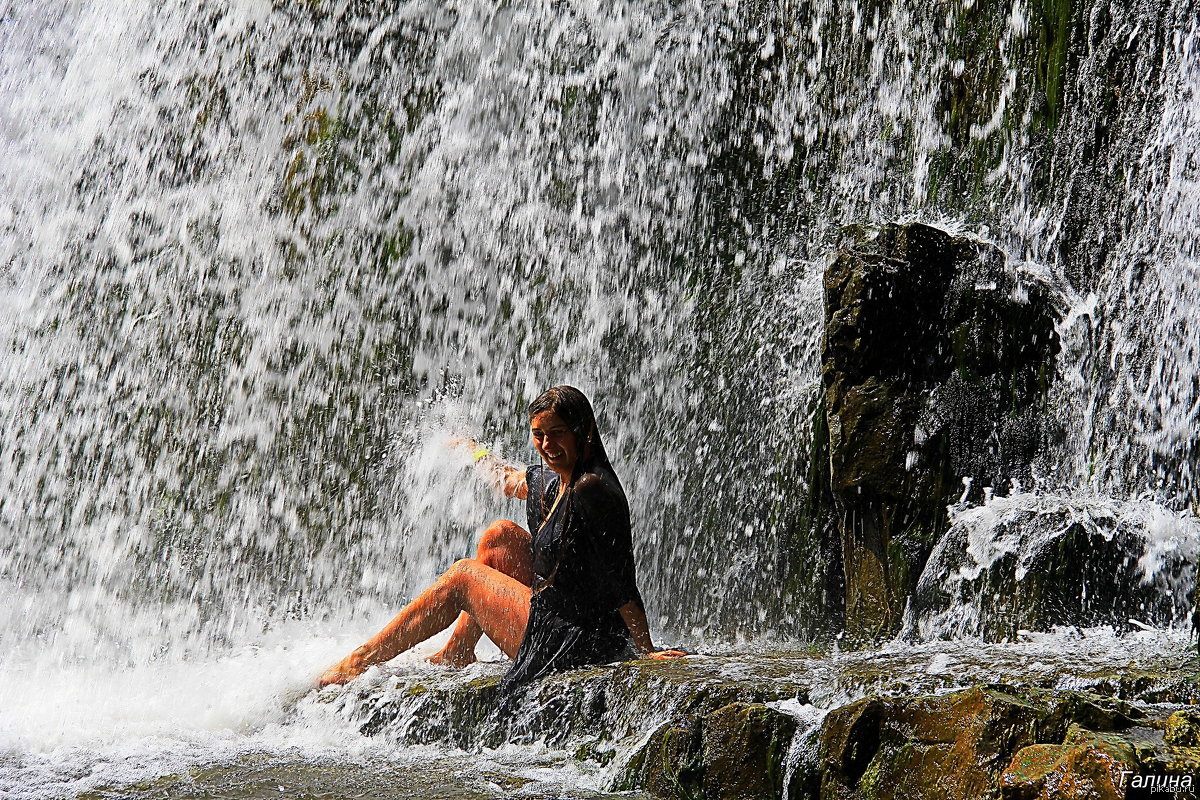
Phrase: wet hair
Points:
(573, 408)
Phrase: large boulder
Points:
(738, 752)
(936, 361)
(951, 747)
(1086, 765)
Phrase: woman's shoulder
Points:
(595, 480)
(599, 488)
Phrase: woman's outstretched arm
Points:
(508, 478)
(635, 619)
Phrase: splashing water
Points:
(1017, 549)
(258, 261)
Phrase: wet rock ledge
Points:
(788, 724)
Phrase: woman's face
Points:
(555, 442)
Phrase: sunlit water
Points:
(259, 261)
(245, 722)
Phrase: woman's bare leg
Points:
(498, 603)
(504, 546)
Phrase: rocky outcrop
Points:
(738, 752)
(995, 742)
(1182, 729)
(602, 705)
(733, 727)
(936, 361)
(1086, 764)
(951, 746)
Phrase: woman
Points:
(558, 596)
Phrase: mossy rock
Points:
(1087, 765)
(669, 764)
(849, 741)
(737, 752)
(745, 751)
(956, 745)
(706, 728)
(1181, 761)
(1092, 764)
(1182, 728)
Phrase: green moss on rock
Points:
(958, 745)
(1182, 728)
(737, 752)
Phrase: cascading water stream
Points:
(258, 261)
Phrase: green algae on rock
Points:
(737, 752)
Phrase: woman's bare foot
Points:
(344, 671)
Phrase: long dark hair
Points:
(573, 408)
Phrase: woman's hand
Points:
(639, 630)
(480, 455)
(509, 480)
(462, 443)
(663, 655)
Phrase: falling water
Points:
(260, 260)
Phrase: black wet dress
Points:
(583, 573)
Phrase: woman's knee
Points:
(464, 582)
(502, 534)
(459, 573)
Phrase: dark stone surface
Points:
(936, 361)
(1182, 729)
(956, 745)
(737, 752)
(718, 727)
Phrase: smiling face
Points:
(555, 442)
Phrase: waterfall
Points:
(259, 260)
